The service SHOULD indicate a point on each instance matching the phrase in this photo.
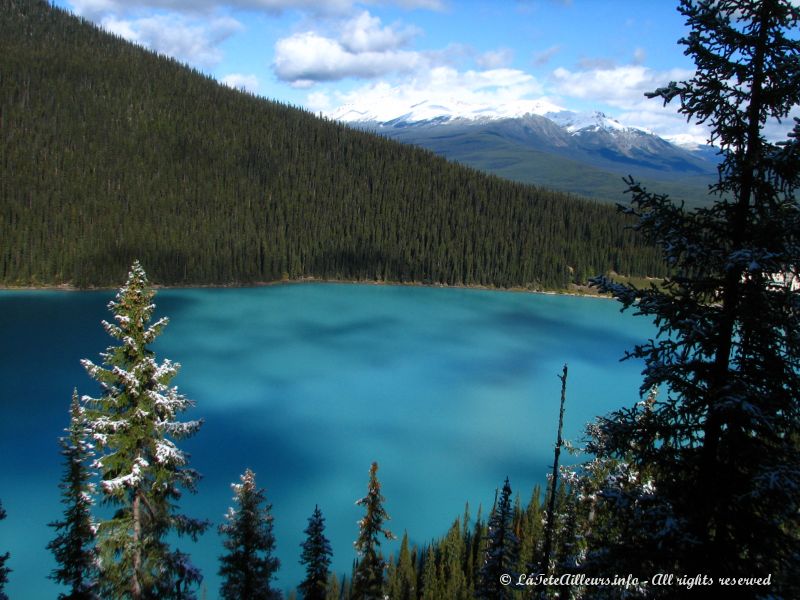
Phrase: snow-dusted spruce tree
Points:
(368, 572)
(4, 570)
(502, 547)
(134, 426)
(721, 442)
(249, 565)
(74, 546)
(610, 509)
(316, 556)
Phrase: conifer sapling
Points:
(249, 565)
(4, 570)
(316, 556)
(74, 546)
(368, 574)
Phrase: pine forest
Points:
(111, 153)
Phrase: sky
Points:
(582, 55)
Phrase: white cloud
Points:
(436, 86)
(495, 59)
(193, 41)
(305, 58)
(623, 88)
(364, 33)
(99, 8)
(123, 29)
(617, 86)
(437, 5)
(240, 81)
(364, 49)
(94, 7)
(319, 101)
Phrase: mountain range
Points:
(541, 143)
(110, 153)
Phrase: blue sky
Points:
(578, 54)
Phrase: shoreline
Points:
(581, 292)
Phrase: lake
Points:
(449, 390)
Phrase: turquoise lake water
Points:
(450, 390)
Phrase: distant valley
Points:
(543, 144)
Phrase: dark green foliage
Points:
(402, 581)
(451, 565)
(607, 511)
(431, 588)
(368, 573)
(109, 152)
(316, 556)
(476, 547)
(249, 565)
(74, 546)
(4, 570)
(334, 589)
(715, 458)
(454, 566)
(529, 528)
(133, 424)
(502, 550)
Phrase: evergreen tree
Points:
(451, 571)
(74, 546)
(316, 556)
(431, 585)
(249, 565)
(368, 574)
(390, 583)
(477, 549)
(346, 588)
(501, 552)
(4, 570)
(133, 425)
(722, 446)
(531, 533)
(404, 583)
(615, 508)
(334, 589)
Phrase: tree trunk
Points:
(136, 586)
(711, 477)
(548, 542)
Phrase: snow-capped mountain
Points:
(392, 110)
(540, 142)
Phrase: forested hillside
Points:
(109, 152)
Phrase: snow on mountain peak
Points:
(575, 122)
(396, 110)
(392, 109)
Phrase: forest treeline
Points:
(110, 153)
